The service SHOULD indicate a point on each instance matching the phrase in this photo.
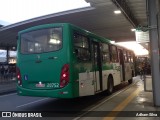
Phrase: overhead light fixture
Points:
(117, 12)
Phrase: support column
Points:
(7, 55)
(159, 22)
(155, 66)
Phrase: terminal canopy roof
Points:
(99, 19)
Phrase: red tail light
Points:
(18, 74)
(64, 78)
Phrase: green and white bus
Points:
(64, 61)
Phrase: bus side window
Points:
(114, 54)
(129, 57)
(125, 55)
(132, 57)
(105, 53)
(81, 47)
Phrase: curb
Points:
(7, 92)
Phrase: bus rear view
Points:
(43, 62)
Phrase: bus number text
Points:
(53, 85)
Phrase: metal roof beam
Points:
(122, 4)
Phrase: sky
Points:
(12, 11)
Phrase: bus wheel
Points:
(110, 85)
(133, 73)
(130, 81)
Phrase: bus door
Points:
(121, 59)
(97, 66)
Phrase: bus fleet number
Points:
(53, 85)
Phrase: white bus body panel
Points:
(86, 84)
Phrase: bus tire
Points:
(130, 81)
(133, 73)
(110, 85)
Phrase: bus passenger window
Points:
(105, 53)
(43, 40)
(114, 54)
(132, 57)
(129, 57)
(81, 47)
(125, 56)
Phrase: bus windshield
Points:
(39, 41)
